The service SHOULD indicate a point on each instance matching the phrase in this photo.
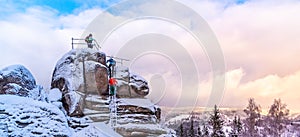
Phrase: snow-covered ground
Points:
(22, 116)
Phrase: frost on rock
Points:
(17, 80)
(68, 77)
(22, 116)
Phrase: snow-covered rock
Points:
(73, 70)
(22, 116)
(97, 130)
(135, 112)
(17, 80)
(55, 95)
(144, 130)
(130, 85)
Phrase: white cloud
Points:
(38, 38)
(264, 90)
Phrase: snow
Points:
(16, 88)
(54, 95)
(20, 81)
(19, 71)
(136, 76)
(140, 102)
(178, 118)
(28, 117)
(95, 98)
(98, 129)
(75, 98)
(147, 128)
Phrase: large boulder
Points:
(78, 73)
(130, 85)
(17, 80)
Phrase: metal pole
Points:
(72, 43)
(84, 82)
(129, 89)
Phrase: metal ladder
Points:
(113, 110)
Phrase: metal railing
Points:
(121, 60)
(78, 41)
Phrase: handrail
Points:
(121, 59)
(80, 43)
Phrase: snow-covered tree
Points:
(277, 119)
(205, 132)
(216, 123)
(236, 127)
(181, 130)
(199, 133)
(251, 122)
(192, 132)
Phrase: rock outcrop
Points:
(82, 78)
(17, 80)
(78, 73)
(130, 85)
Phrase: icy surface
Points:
(27, 117)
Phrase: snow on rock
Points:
(138, 111)
(139, 102)
(130, 84)
(22, 116)
(132, 129)
(17, 80)
(54, 95)
(68, 77)
(98, 129)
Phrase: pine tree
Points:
(251, 122)
(205, 131)
(236, 127)
(277, 118)
(217, 123)
(192, 133)
(181, 129)
(199, 132)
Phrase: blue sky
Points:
(62, 6)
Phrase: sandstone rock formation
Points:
(78, 73)
(17, 80)
(81, 76)
(130, 85)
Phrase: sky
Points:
(258, 38)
